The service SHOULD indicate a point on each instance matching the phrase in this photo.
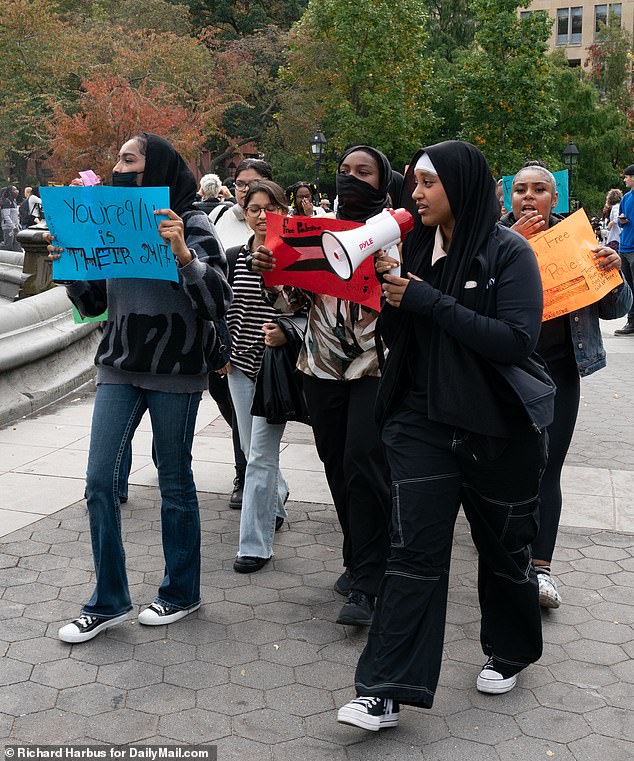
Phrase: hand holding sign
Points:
(575, 271)
(172, 230)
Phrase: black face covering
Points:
(124, 179)
(358, 201)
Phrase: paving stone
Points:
(518, 700)
(13, 671)
(552, 724)
(621, 595)
(6, 722)
(196, 675)
(39, 650)
(17, 576)
(613, 722)
(299, 700)
(568, 697)
(418, 727)
(91, 699)
(66, 673)
(584, 675)
(385, 747)
(9, 561)
(241, 749)
(613, 612)
(11, 609)
(130, 674)
(30, 593)
(307, 595)
(453, 748)
(595, 652)
(267, 725)
(604, 552)
(125, 727)
(620, 695)
(43, 563)
(290, 653)
(26, 697)
(308, 749)
(277, 579)
(482, 726)
(25, 547)
(230, 699)
(228, 612)
(529, 748)
(597, 747)
(252, 595)
(604, 631)
(132, 633)
(167, 698)
(262, 674)
(227, 653)
(316, 632)
(52, 727)
(195, 726)
(256, 632)
(102, 651)
(48, 611)
(282, 612)
(164, 652)
(324, 674)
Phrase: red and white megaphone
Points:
(344, 251)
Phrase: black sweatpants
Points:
(565, 374)
(434, 468)
(348, 444)
(219, 390)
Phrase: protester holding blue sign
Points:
(153, 356)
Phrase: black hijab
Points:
(358, 201)
(471, 191)
(165, 166)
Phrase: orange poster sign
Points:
(570, 277)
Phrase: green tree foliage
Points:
(504, 84)
(239, 18)
(451, 27)
(609, 64)
(357, 69)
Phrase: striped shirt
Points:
(249, 310)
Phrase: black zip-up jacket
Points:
(497, 320)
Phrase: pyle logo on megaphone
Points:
(345, 251)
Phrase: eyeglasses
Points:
(255, 211)
(242, 185)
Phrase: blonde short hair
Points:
(210, 185)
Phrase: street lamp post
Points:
(317, 148)
(570, 155)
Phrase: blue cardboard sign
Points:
(561, 178)
(108, 233)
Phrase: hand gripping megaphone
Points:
(344, 251)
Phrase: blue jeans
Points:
(116, 415)
(265, 489)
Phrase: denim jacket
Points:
(586, 331)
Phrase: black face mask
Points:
(124, 179)
(358, 200)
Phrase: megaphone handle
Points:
(393, 252)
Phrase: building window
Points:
(569, 25)
(574, 62)
(601, 16)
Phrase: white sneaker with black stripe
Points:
(492, 682)
(370, 713)
(160, 613)
(86, 627)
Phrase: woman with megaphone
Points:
(462, 407)
(340, 373)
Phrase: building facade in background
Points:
(577, 24)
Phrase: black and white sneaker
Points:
(160, 613)
(86, 627)
(370, 713)
(493, 682)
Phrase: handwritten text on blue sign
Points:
(108, 232)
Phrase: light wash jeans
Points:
(265, 489)
(116, 415)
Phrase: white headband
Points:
(424, 165)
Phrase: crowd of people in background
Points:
(457, 365)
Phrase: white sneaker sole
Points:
(356, 718)
(148, 618)
(71, 634)
(495, 686)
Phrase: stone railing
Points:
(43, 353)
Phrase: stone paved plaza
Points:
(260, 669)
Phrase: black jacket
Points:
(497, 321)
